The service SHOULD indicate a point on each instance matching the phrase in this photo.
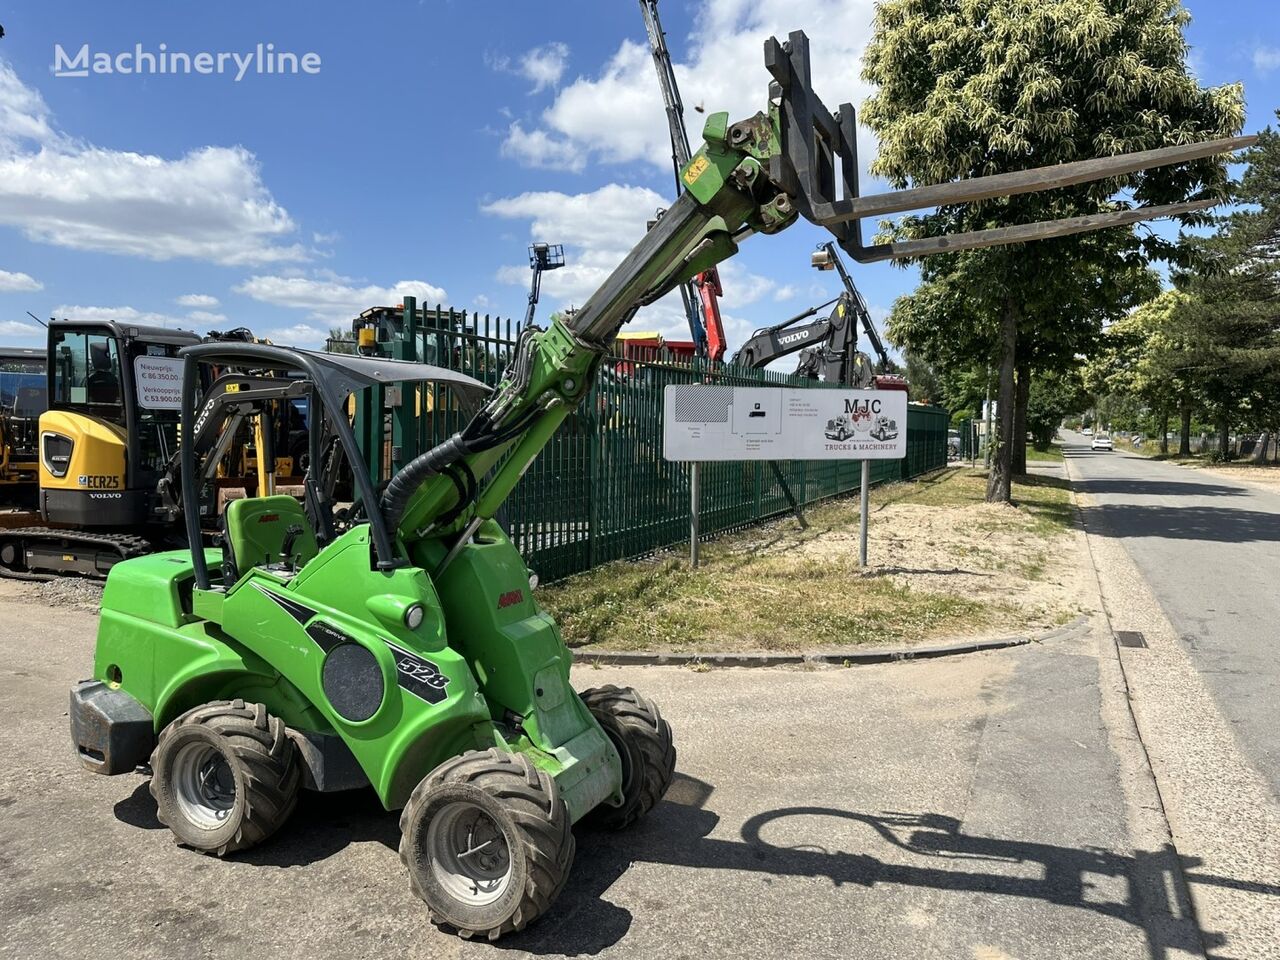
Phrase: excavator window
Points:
(87, 369)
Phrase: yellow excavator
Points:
(107, 451)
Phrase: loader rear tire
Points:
(224, 776)
(643, 741)
(488, 843)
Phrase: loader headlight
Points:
(55, 451)
(414, 616)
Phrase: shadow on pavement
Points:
(1222, 524)
(1158, 488)
(678, 833)
(939, 855)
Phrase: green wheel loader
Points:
(395, 643)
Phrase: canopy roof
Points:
(345, 372)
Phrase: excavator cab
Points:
(112, 422)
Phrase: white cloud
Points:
(206, 318)
(1266, 59)
(119, 315)
(722, 67)
(298, 335)
(210, 204)
(16, 328)
(544, 66)
(598, 229)
(741, 287)
(785, 292)
(197, 300)
(537, 148)
(18, 282)
(23, 112)
(334, 299)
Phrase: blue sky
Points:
(435, 142)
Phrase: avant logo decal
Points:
(510, 599)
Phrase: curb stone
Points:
(1076, 627)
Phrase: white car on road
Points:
(1101, 441)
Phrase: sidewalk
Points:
(1224, 818)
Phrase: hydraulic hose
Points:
(421, 468)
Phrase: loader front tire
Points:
(487, 842)
(224, 776)
(643, 741)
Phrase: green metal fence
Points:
(601, 490)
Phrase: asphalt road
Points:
(979, 808)
(1210, 551)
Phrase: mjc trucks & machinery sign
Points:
(706, 422)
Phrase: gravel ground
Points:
(972, 808)
(76, 592)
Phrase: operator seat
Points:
(102, 385)
(259, 531)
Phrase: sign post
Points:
(709, 422)
(863, 511)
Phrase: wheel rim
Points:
(469, 854)
(204, 785)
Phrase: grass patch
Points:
(779, 588)
(1052, 455)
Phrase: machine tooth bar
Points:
(1029, 181)
(818, 162)
(998, 236)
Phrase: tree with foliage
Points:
(1233, 307)
(923, 384)
(979, 87)
(1151, 355)
(1051, 399)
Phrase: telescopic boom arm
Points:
(754, 176)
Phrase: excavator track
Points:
(46, 553)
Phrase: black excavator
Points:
(828, 347)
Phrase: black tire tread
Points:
(530, 797)
(637, 720)
(268, 760)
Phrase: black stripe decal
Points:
(296, 610)
(420, 677)
(327, 637)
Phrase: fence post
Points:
(695, 509)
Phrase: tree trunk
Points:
(1164, 432)
(1022, 395)
(999, 480)
(1224, 436)
(1184, 434)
